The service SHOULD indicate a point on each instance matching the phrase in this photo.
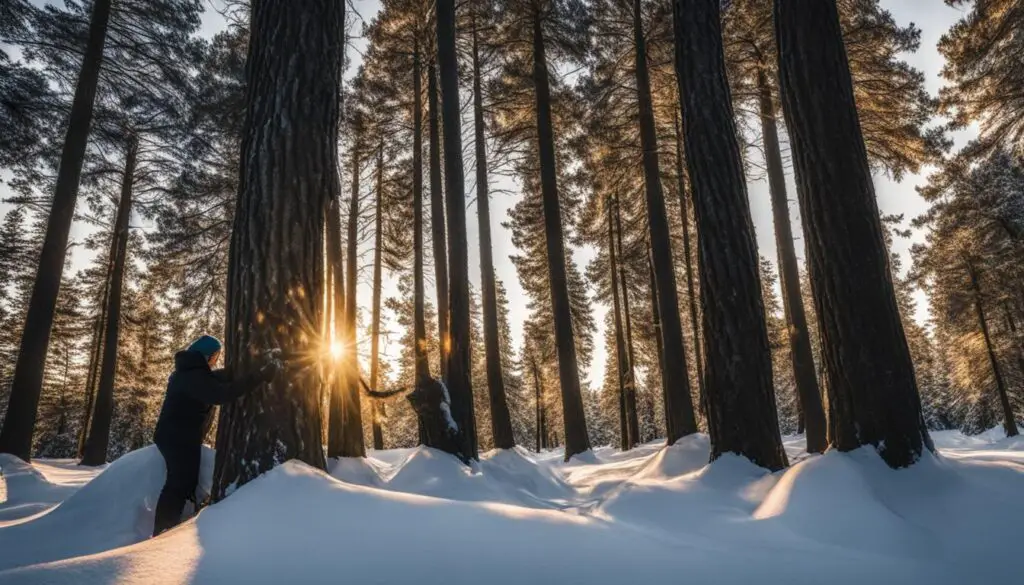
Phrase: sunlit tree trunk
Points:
(576, 440)
(27, 381)
(740, 397)
(871, 386)
(338, 380)
(96, 442)
(289, 174)
(420, 357)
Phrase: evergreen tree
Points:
(276, 272)
(982, 68)
(740, 404)
(873, 397)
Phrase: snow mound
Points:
(513, 468)
(688, 454)
(26, 491)
(114, 509)
(298, 525)
(935, 509)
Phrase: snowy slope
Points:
(650, 515)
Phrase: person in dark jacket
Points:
(192, 391)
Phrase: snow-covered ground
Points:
(652, 515)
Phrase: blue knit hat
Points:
(206, 345)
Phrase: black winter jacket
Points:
(192, 390)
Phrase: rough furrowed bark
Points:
(289, 173)
(501, 419)
(27, 381)
(738, 372)
(676, 378)
(96, 442)
(457, 373)
(812, 414)
(871, 387)
(576, 439)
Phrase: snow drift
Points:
(651, 515)
(113, 510)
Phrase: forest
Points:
(551, 254)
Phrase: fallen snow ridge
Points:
(651, 515)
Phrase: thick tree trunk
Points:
(96, 442)
(1009, 422)
(338, 378)
(576, 439)
(457, 374)
(676, 379)
(621, 357)
(812, 413)
(738, 370)
(289, 174)
(871, 386)
(27, 381)
(632, 418)
(501, 419)
(437, 220)
(684, 211)
(351, 341)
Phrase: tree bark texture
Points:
(501, 419)
(871, 386)
(812, 413)
(458, 375)
(289, 174)
(96, 442)
(27, 381)
(738, 370)
(576, 439)
(676, 378)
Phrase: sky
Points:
(931, 16)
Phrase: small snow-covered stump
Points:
(432, 404)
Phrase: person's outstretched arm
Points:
(218, 387)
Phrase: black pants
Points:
(182, 476)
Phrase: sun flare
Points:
(337, 350)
